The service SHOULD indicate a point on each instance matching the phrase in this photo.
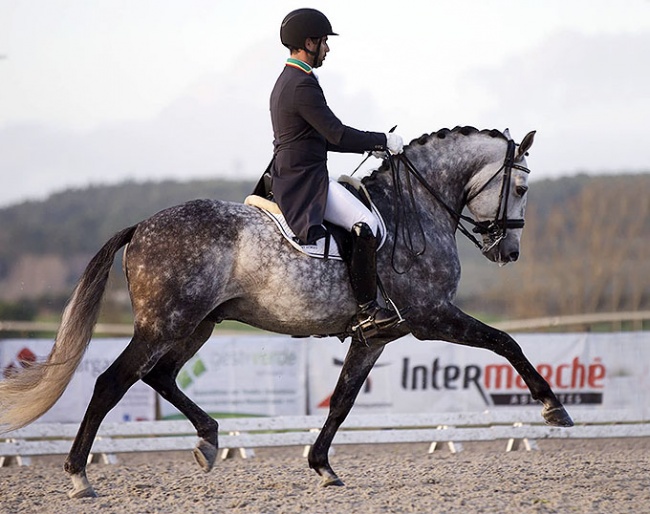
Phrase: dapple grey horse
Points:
(192, 266)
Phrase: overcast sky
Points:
(101, 91)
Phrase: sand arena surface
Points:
(579, 476)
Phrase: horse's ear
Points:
(506, 133)
(526, 143)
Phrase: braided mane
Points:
(441, 134)
(465, 131)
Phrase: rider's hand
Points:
(394, 143)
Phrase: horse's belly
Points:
(296, 295)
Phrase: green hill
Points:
(584, 247)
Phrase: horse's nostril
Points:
(513, 256)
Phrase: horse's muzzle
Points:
(503, 252)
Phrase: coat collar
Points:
(296, 63)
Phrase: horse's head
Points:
(497, 200)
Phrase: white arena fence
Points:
(520, 429)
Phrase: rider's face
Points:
(312, 45)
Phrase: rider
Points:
(304, 129)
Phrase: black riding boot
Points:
(371, 318)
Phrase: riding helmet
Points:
(304, 23)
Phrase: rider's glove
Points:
(394, 143)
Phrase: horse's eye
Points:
(521, 190)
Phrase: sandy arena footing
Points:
(569, 476)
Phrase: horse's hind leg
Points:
(162, 378)
(358, 363)
(134, 362)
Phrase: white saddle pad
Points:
(325, 247)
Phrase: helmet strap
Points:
(315, 54)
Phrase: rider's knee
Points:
(362, 229)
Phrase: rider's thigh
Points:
(345, 210)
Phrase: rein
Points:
(495, 229)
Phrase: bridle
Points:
(495, 229)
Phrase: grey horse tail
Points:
(29, 392)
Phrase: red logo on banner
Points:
(325, 404)
(367, 385)
(24, 358)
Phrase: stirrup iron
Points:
(369, 327)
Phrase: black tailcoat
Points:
(304, 129)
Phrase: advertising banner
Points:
(585, 370)
(246, 375)
(139, 403)
(269, 375)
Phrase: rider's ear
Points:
(526, 143)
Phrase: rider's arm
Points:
(311, 105)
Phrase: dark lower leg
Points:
(358, 363)
(371, 318)
(162, 378)
(452, 324)
(110, 387)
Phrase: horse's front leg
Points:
(358, 362)
(452, 324)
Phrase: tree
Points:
(588, 254)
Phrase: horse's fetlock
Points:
(209, 433)
(72, 468)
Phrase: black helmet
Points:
(301, 24)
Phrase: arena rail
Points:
(244, 434)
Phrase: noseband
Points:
(495, 230)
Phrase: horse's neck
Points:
(444, 173)
(448, 165)
(445, 170)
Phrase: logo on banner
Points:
(574, 382)
(190, 373)
(366, 388)
(24, 358)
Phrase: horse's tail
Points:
(27, 393)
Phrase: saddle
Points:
(336, 244)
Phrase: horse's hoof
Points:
(81, 487)
(329, 478)
(205, 454)
(87, 492)
(331, 481)
(557, 417)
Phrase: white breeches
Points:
(345, 210)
